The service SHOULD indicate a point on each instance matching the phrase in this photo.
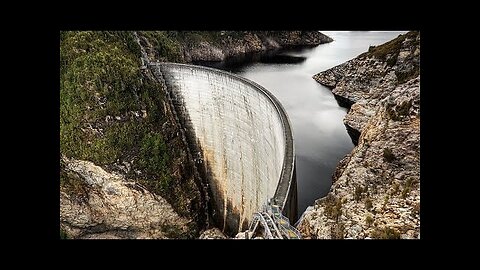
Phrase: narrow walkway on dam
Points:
(271, 224)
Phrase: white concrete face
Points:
(240, 132)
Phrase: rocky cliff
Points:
(376, 188)
(188, 46)
(107, 205)
(361, 83)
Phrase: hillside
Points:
(115, 115)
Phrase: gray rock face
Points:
(235, 44)
(253, 42)
(372, 76)
(115, 207)
(376, 189)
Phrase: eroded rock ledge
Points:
(106, 205)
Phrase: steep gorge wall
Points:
(376, 188)
(244, 140)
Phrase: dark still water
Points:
(321, 139)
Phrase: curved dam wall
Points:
(242, 140)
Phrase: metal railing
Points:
(274, 224)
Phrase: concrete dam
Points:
(242, 140)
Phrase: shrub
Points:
(165, 43)
(333, 207)
(404, 76)
(63, 234)
(404, 108)
(153, 152)
(338, 230)
(368, 204)
(416, 209)
(173, 231)
(399, 112)
(405, 192)
(392, 114)
(409, 182)
(407, 187)
(385, 201)
(385, 233)
(388, 155)
(395, 188)
(74, 185)
(358, 192)
(369, 220)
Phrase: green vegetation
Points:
(213, 37)
(390, 108)
(173, 232)
(338, 230)
(416, 209)
(102, 99)
(399, 112)
(63, 234)
(385, 200)
(404, 76)
(404, 108)
(333, 207)
(166, 44)
(385, 233)
(73, 184)
(97, 78)
(358, 194)
(407, 187)
(395, 188)
(369, 220)
(169, 45)
(389, 51)
(368, 204)
(100, 77)
(388, 155)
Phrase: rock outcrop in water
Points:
(218, 46)
(376, 188)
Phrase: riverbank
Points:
(376, 188)
(192, 46)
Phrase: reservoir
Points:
(320, 137)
